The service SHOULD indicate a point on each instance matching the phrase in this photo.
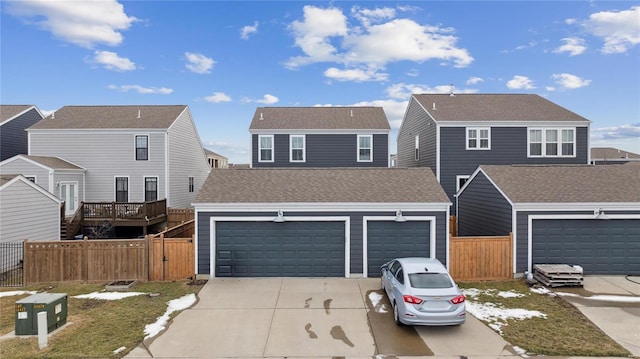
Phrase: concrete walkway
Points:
(320, 317)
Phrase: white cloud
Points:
(198, 63)
(631, 130)
(474, 80)
(248, 30)
(620, 30)
(111, 61)
(572, 45)
(218, 97)
(392, 108)
(83, 23)
(367, 16)
(268, 100)
(404, 91)
(356, 75)
(569, 81)
(141, 90)
(520, 83)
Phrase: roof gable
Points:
(6, 180)
(612, 154)
(9, 112)
(111, 117)
(495, 107)
(54, 163)
(319, 118)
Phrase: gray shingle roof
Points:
(494, 107)
(567, 184)
(211, 153)
(4, 178)
(54, 162)
(610, 153)
(330, 185)
(10, 111)
(102, 117)
(319, 118)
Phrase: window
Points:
(478, 139)
(150, 189)
(122, 189)
(552, 142)
(417, 148)
(265, 148)
(191, 184)
(142, 148)
(460, 181)
(365, 145)
(297, 146)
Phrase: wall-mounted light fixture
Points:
(400, 217)
(279, 218)
(599, 213)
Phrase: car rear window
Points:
(430, 280)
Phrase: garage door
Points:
(599, 246)
(289, 249)
(387, 240)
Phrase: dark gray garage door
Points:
(599, 246)
(387, 240)
(289, 249)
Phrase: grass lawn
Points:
(96, 328)
(564, 332)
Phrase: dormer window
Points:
(297, 148)
(365, 147)
(142, 148)
(265, 148)
(478, 138)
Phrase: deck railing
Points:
(123, 210)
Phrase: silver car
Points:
(422, 292)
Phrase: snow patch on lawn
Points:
(607, 298)
(15, 292)
(184, 302)
(543, 291)
(108, 295)
(376, 299)
(510, 294)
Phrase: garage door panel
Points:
(599, 246)
(268, 249)
(387, 240)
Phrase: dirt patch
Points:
(198, 282)
(87, 304)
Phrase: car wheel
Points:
(396, 315)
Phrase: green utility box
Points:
(27, 309)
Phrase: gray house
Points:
(562, 214)
(14, 120)
(455, 133)
(130, 153)
(319, 137)
(317, 222)
(64, 179)
(612, 156)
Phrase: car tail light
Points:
(457, 300)
(411, 299)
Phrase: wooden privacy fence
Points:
(176, 216)
(85, 260)
(481, 258)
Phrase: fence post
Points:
(24, 262)
(85, 257)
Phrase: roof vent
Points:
(262, 118)
(434, 106)
(351, 113)
(451, 91)
(53, 115)
(138, 113)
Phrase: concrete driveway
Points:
(303, 317)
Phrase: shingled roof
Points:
(494, 107)
(330, 185)
(103, 117)
(612, 154)
(319, 118)
(11, 111)
(567, 184)
(53, 162)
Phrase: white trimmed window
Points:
(460, 181)
(417, 148)
(551, 142)
(365, 148)
(297, 148)
(478, 138)
(265, 148)
(142, 148)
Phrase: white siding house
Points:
(130, 153)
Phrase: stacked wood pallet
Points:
(558, 275)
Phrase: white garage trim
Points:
(365, 222)
(533, 217)
(212, 240)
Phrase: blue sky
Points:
(225, 58)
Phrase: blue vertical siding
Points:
(482, 210)
(13, 137)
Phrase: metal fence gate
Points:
(11, 264)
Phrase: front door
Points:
(69, 194)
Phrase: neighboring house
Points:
(577, 215)
(130, 153)
(453, 134)
(64, 179)
(27, 211)
(14, 120)
(612, 156)
(317, 222)
(319, 137)
(215, 160)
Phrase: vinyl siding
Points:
(14, 138)
(417, 122)
(508, 146)
(106, 154)
(325, 150)
(28, 214)
(27, 169)
(356, 239)
(482, 210)
(186, 159)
